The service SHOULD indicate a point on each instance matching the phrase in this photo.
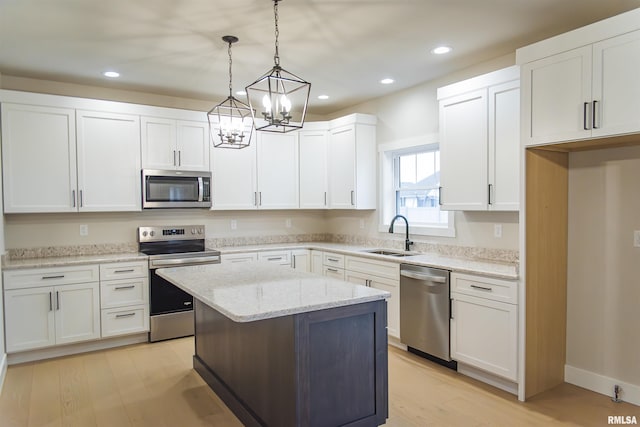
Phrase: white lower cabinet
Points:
(43, 316)
(316, 261)
(301, 260)
(124, 298)
(379, 275)
(277, 257)
(333, 265)
(484, 324)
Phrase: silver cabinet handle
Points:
(293, 261)
(482, 288)
(333, 259)
(490, 193)
(440, 196)
(50, 301)
(174, 158)
(424, 277)
(119, 288)
(325, 198)
(352, 197)
(259, 198)
(593, 114)
(275, 258)
(119, 316)
(73, 197)
(57, 300)
(585, 113)
(131, 270)
(81, 201)
(255, 198)
(179, 157)
(61, 276)
(333, 270)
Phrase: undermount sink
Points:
(389, 252)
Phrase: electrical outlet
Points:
(234, 224)
(636, 238)
(287, 222)
(84, 230)
(497, 230)
(362, 224)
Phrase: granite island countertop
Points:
(262, 290)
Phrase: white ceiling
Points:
(343, 47)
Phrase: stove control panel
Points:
(173, 232)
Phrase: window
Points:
(411, 187)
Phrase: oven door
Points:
(166, 297)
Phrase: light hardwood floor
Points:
(154, 385)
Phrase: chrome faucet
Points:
(407, 242)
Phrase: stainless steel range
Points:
(173, 246)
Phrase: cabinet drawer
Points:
(37, 277)
(484, 287)
(124, 270)
(124, 292)
(333, 260)
(276, 257)
(234, 258)
(336, 273)
(125, 321)
(390, 270)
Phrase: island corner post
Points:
(327, 367)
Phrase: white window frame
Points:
(387, 199)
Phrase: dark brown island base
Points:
(310, 351)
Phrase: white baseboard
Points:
(485, 377)
(601, 384)
(85, 347)
(391, 340)
(3, 370)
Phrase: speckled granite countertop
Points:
(265, 290)
(61, 261)
(460, 265)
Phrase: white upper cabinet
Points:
(313, 166)
(174, 144)
(352, 162)
(582, 84)
(38, 158)
(479, 142)
(277, 170)
(234, 181)
(108, 149)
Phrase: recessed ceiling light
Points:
(323, 96)
(441, 50)
(111, 74)
(241, 93)
(387, 81)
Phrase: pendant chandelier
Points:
(280, 96)
(231, 121)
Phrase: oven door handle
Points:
(183, 261)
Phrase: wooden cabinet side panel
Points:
(546, 272)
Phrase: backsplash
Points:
(475, 253)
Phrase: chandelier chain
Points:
(230, 74)
(276, 57)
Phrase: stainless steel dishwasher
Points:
(425, 310)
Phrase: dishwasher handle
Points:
(423, 277)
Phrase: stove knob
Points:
(144, 234)
(199, 230)
(193, 231)
(152, 233)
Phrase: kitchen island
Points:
(286, 348)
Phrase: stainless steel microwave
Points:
(164, 189)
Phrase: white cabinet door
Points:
(193, 145)
(234, 180)
(108, 162)
(277, 170)
(158, 143)
(341, 170)
(463, 151)
(393, 303)
(313, 169)
(557, 98)
(504, 146)
(301, 259)
(484, 334)
(38, 158)
(29, 318)
(77, 312)
(316, 261)
(616, 87)
(276, 257)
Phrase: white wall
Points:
(410, 114)
(603, 289)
